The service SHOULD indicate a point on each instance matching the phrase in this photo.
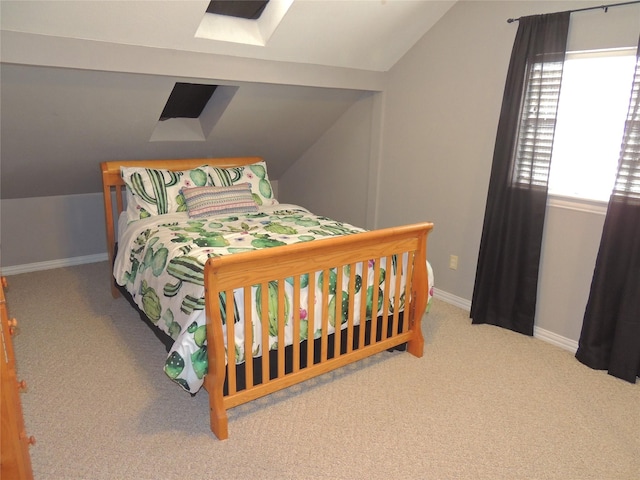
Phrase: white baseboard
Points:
(452, 299)
(540, 333)
(51, 264)
(555, 339)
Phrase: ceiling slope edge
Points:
(63, 52)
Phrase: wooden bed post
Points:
(109, 220)
(216, 372)
(218, 417)
(419, 285)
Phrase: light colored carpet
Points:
(482, 403)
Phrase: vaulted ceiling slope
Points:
(84, 81)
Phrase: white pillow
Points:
(254, 174)
(156, 192)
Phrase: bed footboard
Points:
(400, 322)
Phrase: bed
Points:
(252, 295)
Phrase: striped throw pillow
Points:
(207, 201)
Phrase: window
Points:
(249, 9)
(594, 98)
(192, 111)
(248, 22)
(187, 100)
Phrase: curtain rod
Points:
(604, 7)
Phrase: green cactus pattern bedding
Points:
(161, 263)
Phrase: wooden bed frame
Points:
(243, 270)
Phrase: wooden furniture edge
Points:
(15, 460)
(250, 268)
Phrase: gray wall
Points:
(332, 183)
(421, 149)
(58, 123)
(438, 124)
(47, 229)
(570, 245)
(49, 232)
(443, 104)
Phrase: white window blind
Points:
(537, 124)
(628, 179)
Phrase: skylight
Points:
(192, 111)
(219, 25)
(249, 9)
(187, 100)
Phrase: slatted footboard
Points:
(400, 321)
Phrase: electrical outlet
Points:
(453, 262)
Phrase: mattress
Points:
(161, 259)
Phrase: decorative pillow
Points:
(156, 192)
(207, 201)
(254, 174)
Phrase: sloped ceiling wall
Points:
(86, 81)
(56, 124)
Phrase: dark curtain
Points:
(610, 338)
(506, 281)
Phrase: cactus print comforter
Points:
(161, 262)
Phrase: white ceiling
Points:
(360, 34)
(85, 81)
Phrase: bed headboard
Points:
(112, 183)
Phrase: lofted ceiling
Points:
(84, 81)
